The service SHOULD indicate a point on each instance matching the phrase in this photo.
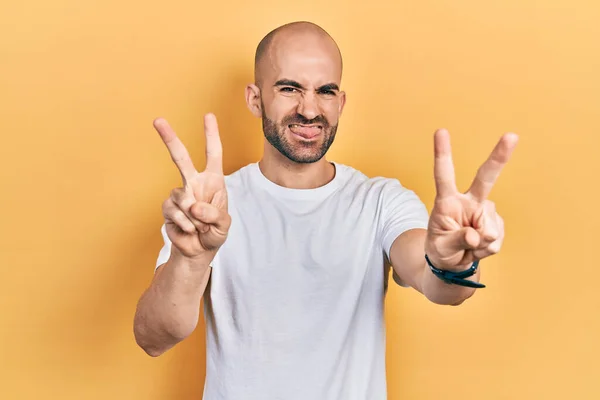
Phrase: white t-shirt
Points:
(295, 305)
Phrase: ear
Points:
(253, 100)
(342, 102)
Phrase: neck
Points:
(289, 174)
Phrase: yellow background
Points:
(83, 176)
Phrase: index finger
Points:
(443, 167)
(490, 170)
(179, 153)
(214, 148)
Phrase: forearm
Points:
(408, 259)
(168, 311)
(440, 292)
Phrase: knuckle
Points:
(167, 206)
(183, 222)
(179, 216)
(175, 193)
(214, 151)
(227, 221)
(181, 198)
(491, 235)
(480, 172)
(186, 203)
(494, 248)
(197, 211)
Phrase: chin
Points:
(304, 158)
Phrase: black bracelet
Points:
(456, 278)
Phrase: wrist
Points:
(439, 263)
(199, 261)
(458, 277)
(451, 268)
(451, 264)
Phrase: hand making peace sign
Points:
(196, 216)
(464, 227)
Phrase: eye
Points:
(327, 92)
(288, 89)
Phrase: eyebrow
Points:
(292, 83)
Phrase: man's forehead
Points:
(307, 64)
(299, 52)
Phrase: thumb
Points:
(462, 239)
(211, 215)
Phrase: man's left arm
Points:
(462, 229)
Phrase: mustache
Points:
(302, 120)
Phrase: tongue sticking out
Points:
(307, 132)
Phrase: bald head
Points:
(282, 41)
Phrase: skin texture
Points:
(297, 95)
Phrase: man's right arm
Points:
(196, 225)
(168, 310)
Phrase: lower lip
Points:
(310, 139)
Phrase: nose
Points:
(309, 106)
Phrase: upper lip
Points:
(308, 126)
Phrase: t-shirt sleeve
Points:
(401, 211)
(165, 251)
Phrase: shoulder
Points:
(385, 194)
(356, 179)
(238, 178)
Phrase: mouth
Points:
(306, 132)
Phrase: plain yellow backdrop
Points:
(84, 174)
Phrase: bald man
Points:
(292, 253)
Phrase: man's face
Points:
(300, 99)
